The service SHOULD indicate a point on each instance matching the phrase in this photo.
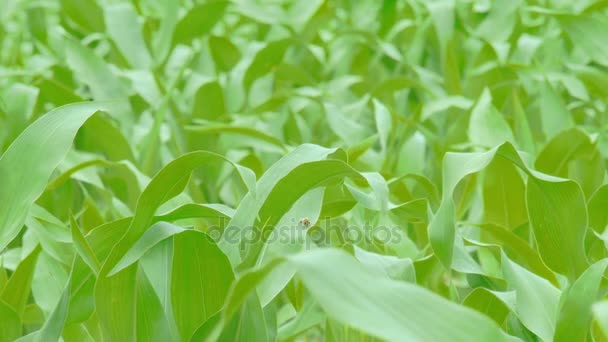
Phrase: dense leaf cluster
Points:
(257, 170)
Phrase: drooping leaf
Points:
(352, 295)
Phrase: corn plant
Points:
(303, 170)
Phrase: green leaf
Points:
(95, 73)
(537, 299)
(350, 131)
(598, 216)
(165, 185)
(571, 154)
(123, 28)
(22, 179)
(200, 280)
(17, 290)
(554, 114)
(385, 308)
(53, 327)
(504, 195)
(87, 14)
(600, 313)
(247, 210)
(487, 127)
(117, 320)
(151, 321)
(589, 33)
(575, 314)
(255, 134)
(83, 248)
(520, 251)
(153, 236)
(558, 217)
(265, 60)
(300, 180)
(209, 103)
(486, 302)
(225, 54)
(521, 126)
(383, 123)
(198, 21)
(442, 226)
(10, 324)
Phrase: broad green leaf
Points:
(350, 131)
(164, 186)
(498, 106)
(486, 302)
(199, 282)
(225, 54)
(412, 211)
(598, 216)
(290, 236)
(383, 123)
(135, 311)
(554, 114)
(209, 103)
(442, 104)
(153, 236)
(387, 265)
(442, 226)
(575, 314)
(352, 295)
(198, 21)
(83, 248)
(17, 290)
(504, 195)
(48, 283)
(100, 134)
(161, 42)
(300, 180)
(151, 321)
(53, 327)
(169, 182)
(10, 323)
(521, 126)
(487, 127)
(519, 250)
(27, 164)
(537, 300)
(265, 59)
(499, 23)
(289, 189)
(443, 14)
(300, 12)
(21, 102)
(571, 154)
(589, 33)
(196, 210)
(558, 217)
(87, 14)
(123, 27)
(247, 211)
(95, 73)
(261, 137)
(600, 313)
(309, 316)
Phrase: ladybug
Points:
(305, 222)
